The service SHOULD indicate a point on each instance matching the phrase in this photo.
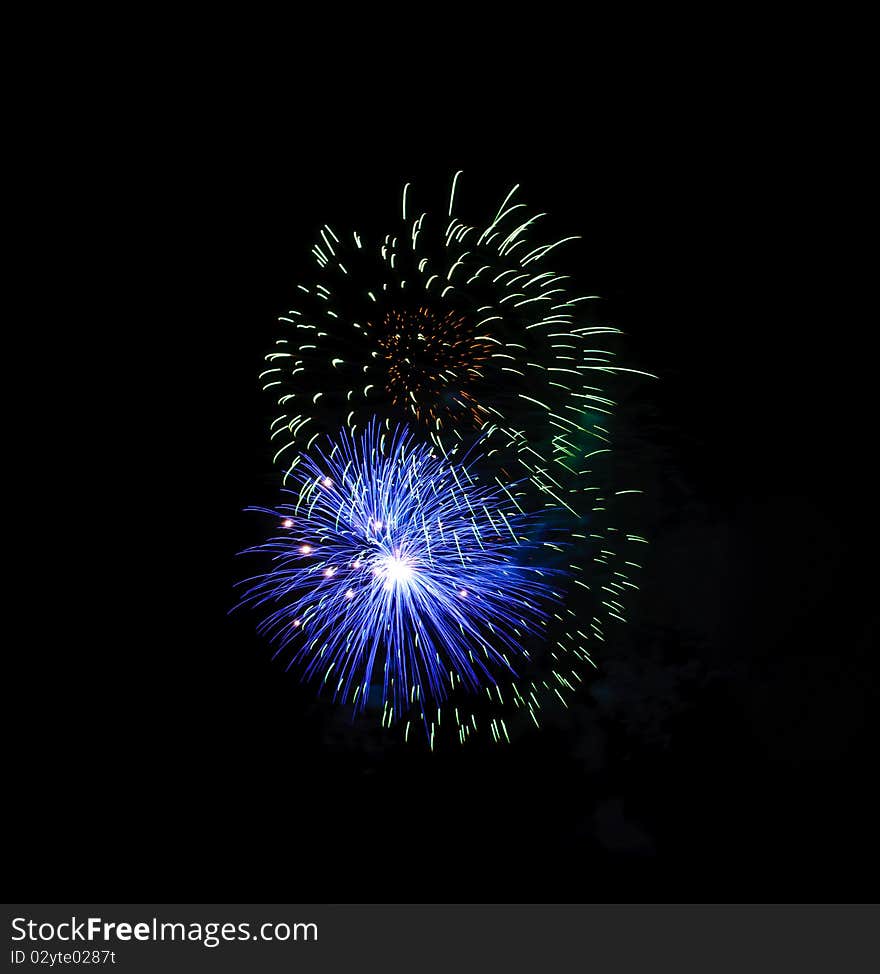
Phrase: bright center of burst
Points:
(396, 570)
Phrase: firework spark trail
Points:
(395, 565)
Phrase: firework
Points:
(399, 573)
(461, 330)
(428, 560)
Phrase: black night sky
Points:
(722, 752)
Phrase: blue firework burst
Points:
(398, 571)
